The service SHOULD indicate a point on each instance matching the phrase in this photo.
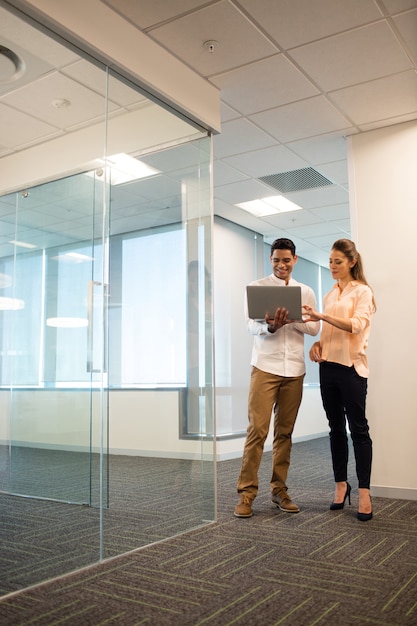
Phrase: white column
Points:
(383, 190)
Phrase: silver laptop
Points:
(264, 299)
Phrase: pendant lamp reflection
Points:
(67, 322)
(11, 304)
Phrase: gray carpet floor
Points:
(150, 499)
(316, 567)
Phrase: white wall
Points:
(383, 190)
(239, 259)
(141, 423)
(311, 423)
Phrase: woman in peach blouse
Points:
(341, 353)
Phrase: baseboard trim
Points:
(396, 493)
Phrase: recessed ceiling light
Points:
(78, 256)
(269, 206)
(22, 244)
(123, 168)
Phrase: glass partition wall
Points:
(106, 370)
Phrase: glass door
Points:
(71, 406)
(53, 341)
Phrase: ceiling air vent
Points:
(11, 66)
(296, 180)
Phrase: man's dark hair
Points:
(283, 244)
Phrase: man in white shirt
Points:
(278, 370)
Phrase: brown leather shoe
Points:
(244, 507)
(284, 502)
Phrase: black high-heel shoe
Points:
(365, 517)
(339, 505)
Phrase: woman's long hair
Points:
(348, 248)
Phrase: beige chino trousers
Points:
(269, 392)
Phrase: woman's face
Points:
(340, 266)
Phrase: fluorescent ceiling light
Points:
(22, 244)
(123, 168)
(67, 322)
(269, 206)
(73, 257)
(78, 256)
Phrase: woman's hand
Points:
(313, 316)
(315, 352)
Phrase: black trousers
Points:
(343, 393)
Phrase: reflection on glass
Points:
(95, 333)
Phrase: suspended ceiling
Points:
(296, 77)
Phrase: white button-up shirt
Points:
(281, 353)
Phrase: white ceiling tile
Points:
(337, 171)
(239, 136)
(223, 174)
(308, 251)
(320, 149)
(154, 187)
(37, 100)
(347, 59)
(396, 6)
(266, 161)
(239, 41)
(264, 85)
(344, 226)
(17, 128)
(378, 100)
(407, 25)
(227, 113)
(148, 12)
(324, 241)
(185, 156)
(311, 230)
(33, 66)
(8, 212)
(7, 229)
(319, 197)
(242, 191)
(143, 221)
(28, 38)
(5, 151)
(36, 219)
(307, 118)
(292, 219)
(95, 78)
(234, 214)
(295, 22)
(333, 212)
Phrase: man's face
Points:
(282, 262)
